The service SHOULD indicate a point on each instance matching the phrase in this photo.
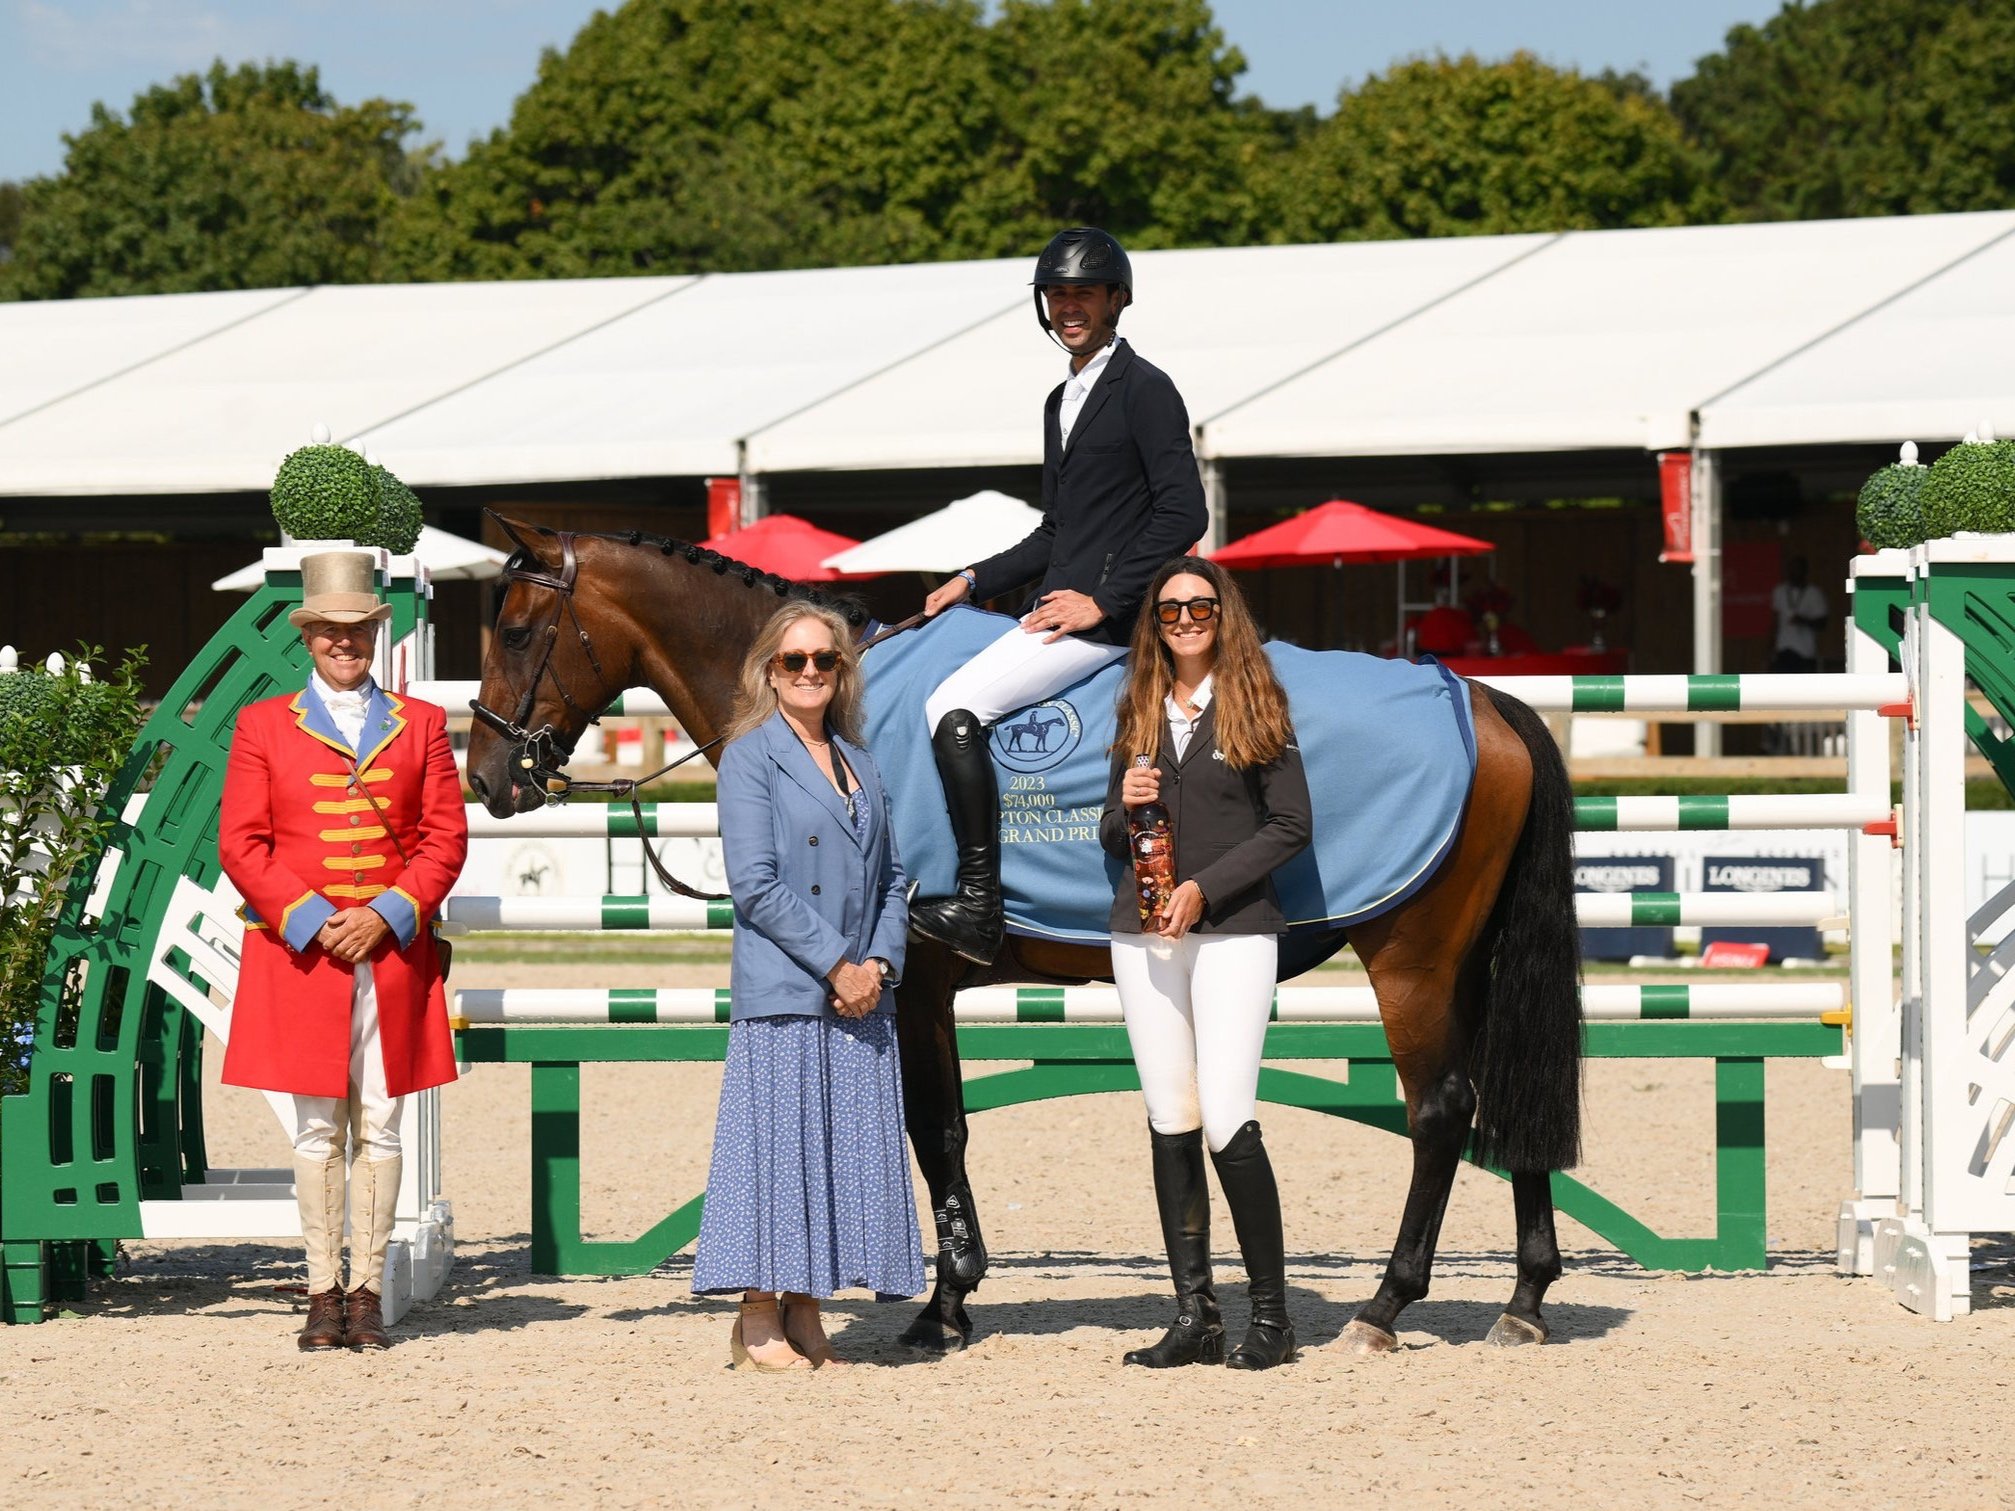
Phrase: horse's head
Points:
(558, 657)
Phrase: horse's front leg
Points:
(934, 1112)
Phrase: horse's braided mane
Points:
(848, 609)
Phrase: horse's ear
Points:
(512, 528)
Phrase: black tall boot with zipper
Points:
(968, 921)
(1197, 1334)
(1246, 1176)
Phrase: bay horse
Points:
(1477, 975)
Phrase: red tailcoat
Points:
(300, 839)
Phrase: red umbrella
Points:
(1340, 531)
(1337, 532)
(786, 545)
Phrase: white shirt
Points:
(1180, 725)
(346, 709)
(1077, 387)
(1809, 602)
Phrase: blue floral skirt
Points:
(809, 1189)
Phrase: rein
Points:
(539, 752)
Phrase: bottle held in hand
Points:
(1151, 834)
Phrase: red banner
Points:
(1675, 499)
(724, 505)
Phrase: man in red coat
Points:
(343, 827)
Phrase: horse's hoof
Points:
(1362, 1338)
(1516, 1332)
(927, 1335)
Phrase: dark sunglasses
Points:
(793, 662)
(1202, 610)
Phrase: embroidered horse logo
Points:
(1038, 738)
(1032, 726)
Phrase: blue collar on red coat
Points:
(383, 719)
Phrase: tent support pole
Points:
(1707, 524)
(755, 497)
(1216, 503)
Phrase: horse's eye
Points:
(517, 637)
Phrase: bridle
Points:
(540, 754)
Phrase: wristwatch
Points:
(888, 972)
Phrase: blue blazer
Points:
(808, 890)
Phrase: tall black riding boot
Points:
(969, 920)
(1246, 1175)
(1197, 1334)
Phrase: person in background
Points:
(342, 826)
(1196, 981)
(809, 1188)
(1801, 614)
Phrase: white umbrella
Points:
(447, 557)
(959, 534)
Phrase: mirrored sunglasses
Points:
(1169, 610)
(793, 662)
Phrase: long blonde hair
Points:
(1251, 720)
(756, 700)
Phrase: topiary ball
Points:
(397, 527)
(24, 695)
(1889, 511)
(325, 493)
(1971, 487)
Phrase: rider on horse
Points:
(1121, 495)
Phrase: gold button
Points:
(356, 818)
(356, 849)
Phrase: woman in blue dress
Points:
(809, 1190)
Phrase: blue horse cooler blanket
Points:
(1389, 748)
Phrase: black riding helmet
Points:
(1083, 254)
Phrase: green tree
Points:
(1861, 107)
(10, 218)
(688, 135)
(243, 178)
(1449, 147)
(681, 135)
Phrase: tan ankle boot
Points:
(318, 1188)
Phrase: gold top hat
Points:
(339, 587)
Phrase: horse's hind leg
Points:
(1433, 1070)
(934, 1113)
(1538, 1262)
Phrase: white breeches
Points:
(367, 1116)
(1015, 671)
(1196, 1011)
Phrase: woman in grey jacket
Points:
(809, 1187)
(1196, 982)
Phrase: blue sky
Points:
(462, 62)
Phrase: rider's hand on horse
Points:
(945, 595)
(1062, 613)
(856, 989)
(1141, 784)
(1184, 909)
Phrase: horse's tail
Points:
(1526, 1065)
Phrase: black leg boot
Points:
(969, 921)
(1197, 1334)
(1246, 1175)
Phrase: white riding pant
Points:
(1196, 1012)
(1016, 670)
(368, 1117)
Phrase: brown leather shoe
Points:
(365, 1319)
(324, 1327)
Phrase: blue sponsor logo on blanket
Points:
(1038, 738)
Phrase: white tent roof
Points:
(447, 557)
(670, 390)
(1814, 332)
(965, 530)
(1930, 364)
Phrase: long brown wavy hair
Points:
(756, 700)
(1252, 722)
